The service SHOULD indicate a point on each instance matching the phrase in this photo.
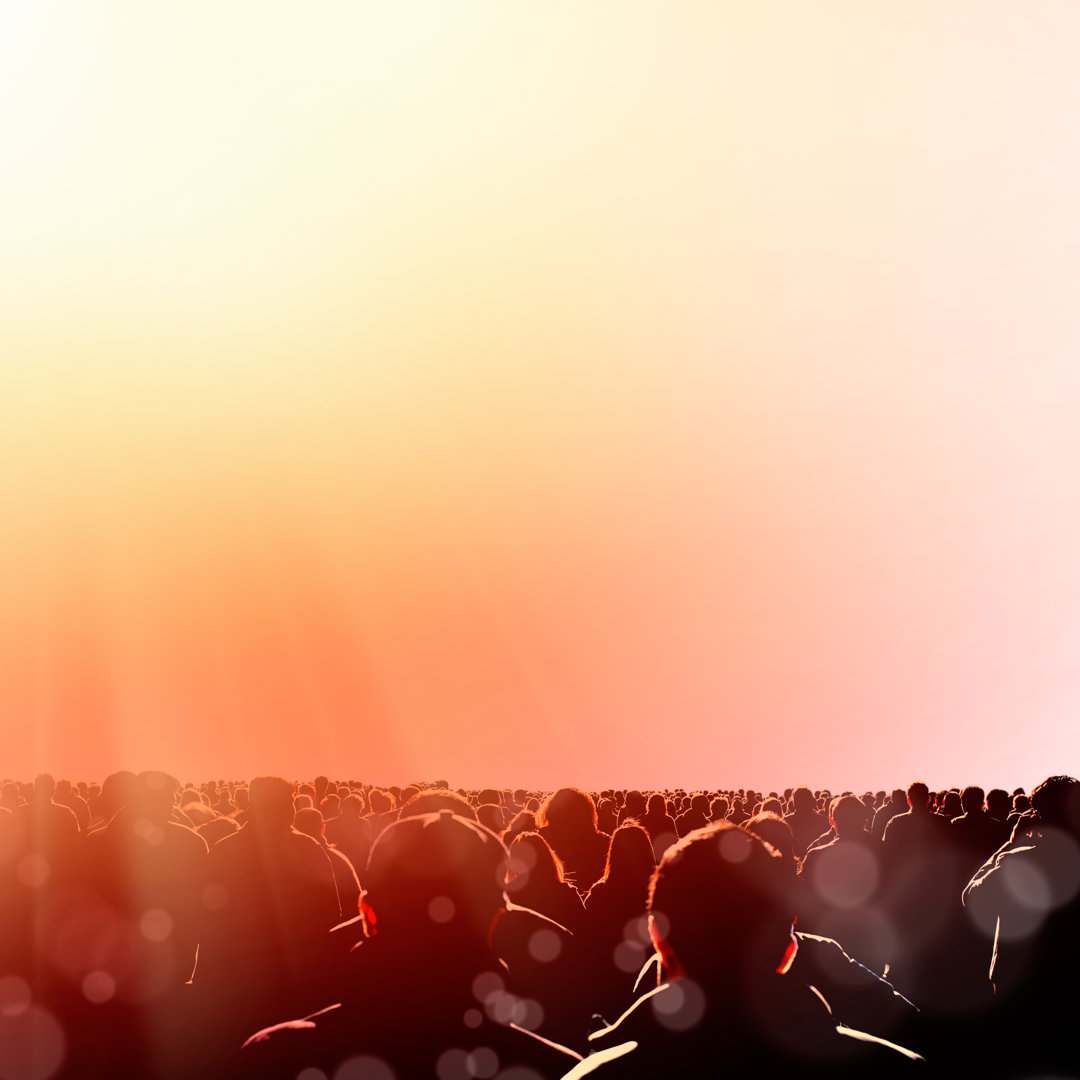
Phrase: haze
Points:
(605, 393)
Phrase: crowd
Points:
(335, 930)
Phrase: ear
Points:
(494, 922)
(367, 913)
(672, 967)
(789, 953)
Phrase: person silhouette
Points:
(536, 881)
(269, 903)
(659, 824)
(840, 886)
(310, 823)
(918, 895)
(425, 994)
(568, 824)
(142, 882)
(615, 937)
(721, 912)
(807, 824)
(1026, 901)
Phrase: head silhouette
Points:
(433, 800)
(847, 814)
(774, 830)
(44, 787)
(1057, 801)
(918, 796)
(534, 863)
(310, 822)
(270, 803)
(630, 854)
(972, 798)
(569, 810)
(154, 795)
(721, 904)
(436, 876)
(117, 790)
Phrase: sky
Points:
(610, 393)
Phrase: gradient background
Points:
(599, 391)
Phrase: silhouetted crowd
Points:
(335, 930)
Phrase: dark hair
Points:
(972, 799)
(569, 809)
(270, 801)
(524, 822)
(434, 799)
(630, 855)
(918, 793)
(1057, 800)
(847, 813)
(540, 865)
(380, 801)
(774, 830)
(722, 898)
(431, 857)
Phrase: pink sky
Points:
(541, 394)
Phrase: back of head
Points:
(802, 799)
(310, 822)
(270, 803)
(154, 795)
(722, 902)
(848, 815)
(630, 855)
(490, 815)
(435, 875)
(434, 800)
(918, 795)
(380, 801)
(569, 810)
(1057, 801)
(534, 862)
(44, 787)
(972, 799)
(117, 790)
(774, 830)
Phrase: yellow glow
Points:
(585, 366)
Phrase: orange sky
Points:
(540, 393)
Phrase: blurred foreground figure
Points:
(269, 903)
(426, 994)
(721, 917)
(1026, 901)
(139, 929)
